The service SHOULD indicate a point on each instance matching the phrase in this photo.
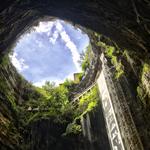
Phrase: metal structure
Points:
(121, 130)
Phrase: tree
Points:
(85, 58)
(49, 86)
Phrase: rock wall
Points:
(14, 91)
(46, 134)
(122, 110)
(94, 130)
(9, 134)
(125, 22)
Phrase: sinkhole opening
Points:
(51, 51)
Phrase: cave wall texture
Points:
(94, 131)
(10, 96)
(14, 91)
(126, 22)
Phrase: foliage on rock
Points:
(114, 54)
(86, 103)
(86, 58)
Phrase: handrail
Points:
(83, 92)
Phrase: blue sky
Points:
(50, 52)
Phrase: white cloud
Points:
(39, 43)
(70, 44)
(18, 63)
(52, 79)
(73, 49)
(47, 26)
(58, 25)
(42, 82)
(48, 33)
(44, 27)
(54, 37)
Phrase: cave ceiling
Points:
(125, 22)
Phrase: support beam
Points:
(121, 129)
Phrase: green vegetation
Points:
(78, 77)
(143, 89)
(114, 54)
(8, 102)
(4, 85)
(54, 103)
(146, 68)
(101, 44)
(51, 101)
(31, 104)
(139, 66)
(141, 93)
(48, 102)
(73, 128)
(86, 58)
(86, 103)
(5, 60)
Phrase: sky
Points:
(50, 52)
